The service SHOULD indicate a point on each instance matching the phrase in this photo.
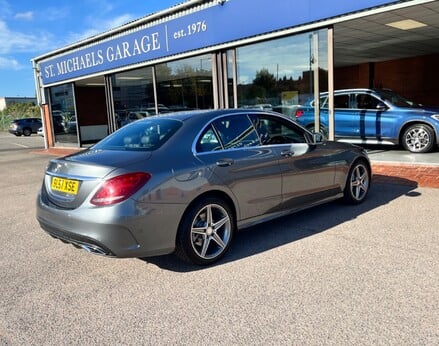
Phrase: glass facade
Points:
(133, 95)
(185, 84)
(62, 103)
(181, 85)
(278, 74)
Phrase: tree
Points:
(265, 79)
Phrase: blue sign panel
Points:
(233, 20)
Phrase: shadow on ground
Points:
(269, 235)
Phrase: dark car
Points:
(185, 182)
(25, 126)
(366, 116)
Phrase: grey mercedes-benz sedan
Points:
(186, 182)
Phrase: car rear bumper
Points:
(79, 241)
(99, 232)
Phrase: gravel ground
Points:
(332, 275)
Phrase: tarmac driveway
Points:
(332, 275)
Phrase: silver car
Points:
(186, 182)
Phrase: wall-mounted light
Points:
(128, 78)
(406, 24)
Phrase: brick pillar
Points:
(48, 126)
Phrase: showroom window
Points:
(185, 84)
(62, 104)
(133, 95)
(279, 74)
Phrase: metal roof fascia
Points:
(121, 29)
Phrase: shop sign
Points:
(228, 21)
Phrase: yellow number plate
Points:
(65, 185)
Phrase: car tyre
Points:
(357, 183)
(418, 138)
(205, 232)
(27, 132)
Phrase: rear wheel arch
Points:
(27, 131)
(212, 194)
(206, 229)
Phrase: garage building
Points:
(204, 54)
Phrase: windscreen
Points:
(397, 100)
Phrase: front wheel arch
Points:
(358, 182)
(418, 126)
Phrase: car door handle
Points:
(287, 153)
(224, 162)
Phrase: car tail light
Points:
(119, 188)
(299, 113)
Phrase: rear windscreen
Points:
(148, 135)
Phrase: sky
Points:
(30, 28)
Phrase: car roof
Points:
(354, 90)
(184, 115)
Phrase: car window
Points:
(397, 100)
(366, 101)
(273, 130)
(145, 135)
(323, 102)
(208, 141)
(341, 101)
(236, 131)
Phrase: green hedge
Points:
(16, 111)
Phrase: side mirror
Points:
(381, 106)
(317, 137)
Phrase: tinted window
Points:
(141, 135)
(397, 100)
(366, 101)
(324, 102)
(272, 130)
(208, 141)
(236, 132)
(341, 101)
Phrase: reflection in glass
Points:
(278, 74)
(63, 114)
(230, 78)
(236, 132)
(185, 84)
(133, 95)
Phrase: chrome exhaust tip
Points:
(94, 249)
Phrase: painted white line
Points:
(21, 145)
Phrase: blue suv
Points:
(372, 116)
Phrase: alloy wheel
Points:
(418, 139)
(359, 182)
(210, 231)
